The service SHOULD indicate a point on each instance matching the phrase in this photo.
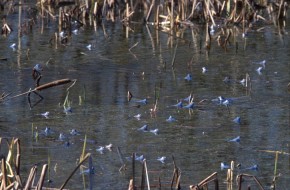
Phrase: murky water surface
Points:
(198, 139)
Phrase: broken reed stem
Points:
(177, 186)
(84, 148)
(206, 180)
(18, 156)
(95, 9)
(3, 96)
(31, 178)
(131, 186)
(147, 177)
(230, 174)
(275, 170)
(133, 46)
(48, 85)
(175, 170)
(149, 12)
(4, 174)
(66, 103)
(42, 176)
(127, 10)
(77, 167)
(172, 15)
(209, 12)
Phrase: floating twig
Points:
(133, 46)
(48, 85)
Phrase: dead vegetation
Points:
(167, 16)
(10, 173)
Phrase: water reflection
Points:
(198, 137)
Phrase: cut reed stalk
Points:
(4, 174)
(84, 148)
(172, 14)
(42, 176)
(18, 156)
(131, 186)
(147, 176)
(31, 178)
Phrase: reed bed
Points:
(167, 16)
(10, 173)
(11, 178)
(150, 179)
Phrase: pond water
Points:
(198, 139)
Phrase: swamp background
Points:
(150, 62)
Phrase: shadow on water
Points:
(109, 59)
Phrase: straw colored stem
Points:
(18, 156)
(150, 9)
(31, 177)
(4, 175)
(172, 15)
(147, 177)
(213, 175)
(42, 176)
